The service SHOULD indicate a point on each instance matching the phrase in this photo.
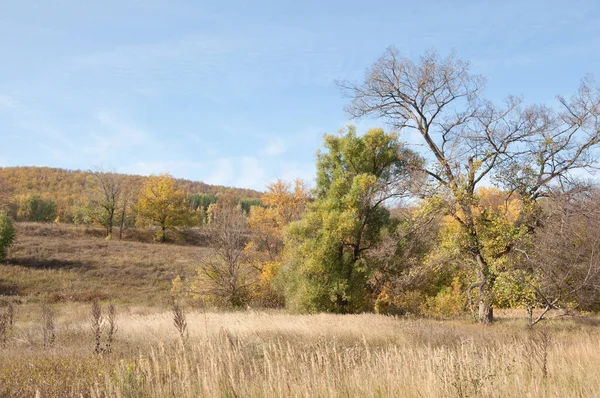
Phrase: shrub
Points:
(449, 302)
(7, 235)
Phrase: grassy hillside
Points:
(63, 263)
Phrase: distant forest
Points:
(59, 195)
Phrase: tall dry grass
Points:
(247, 354)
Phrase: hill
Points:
(67, 263)
(68, 188)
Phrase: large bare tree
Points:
(471, 141)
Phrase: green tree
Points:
(326, 268)
(161, 203)
(38, 209)
(7, 235)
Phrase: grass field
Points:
(65, 263)
(253, 353)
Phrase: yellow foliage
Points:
(449, 302)
(161, 203)
(407, 302)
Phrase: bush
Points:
(449, 302)
(7, 235)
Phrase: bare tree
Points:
(105, 199)
(125, 209)
(563, 263)
(471, 141)
(225, 268)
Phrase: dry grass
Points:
(57, 263)
(246, 354)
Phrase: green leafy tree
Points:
(37, 209)
(326, 268)
(7, 235)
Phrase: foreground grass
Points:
(275, 354)
(247, 354)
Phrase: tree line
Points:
(43, 194)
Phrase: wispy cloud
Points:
(243, 171)
(113, 134)
(276, 146)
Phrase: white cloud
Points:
(113, 135)
(240, 172)
(222, 172)
(275, 147)
(252, 173)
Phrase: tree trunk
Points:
(163, 236)
(486, 312)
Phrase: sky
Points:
(240, 93)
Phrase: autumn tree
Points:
(471, 141)
(105, 198)
(161, 203)
(282, 204)
(356, 176)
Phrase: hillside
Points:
(68, 188)
(66, 263)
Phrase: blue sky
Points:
(239, 93)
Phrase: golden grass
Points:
(248, 354)
(254, 354)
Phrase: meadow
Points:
(252, 353)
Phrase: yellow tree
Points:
(282, 204)
(161, 203)
(497, 220)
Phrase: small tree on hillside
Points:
(105, 198)
(37, 209)
(162, 204)
(7, 235)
